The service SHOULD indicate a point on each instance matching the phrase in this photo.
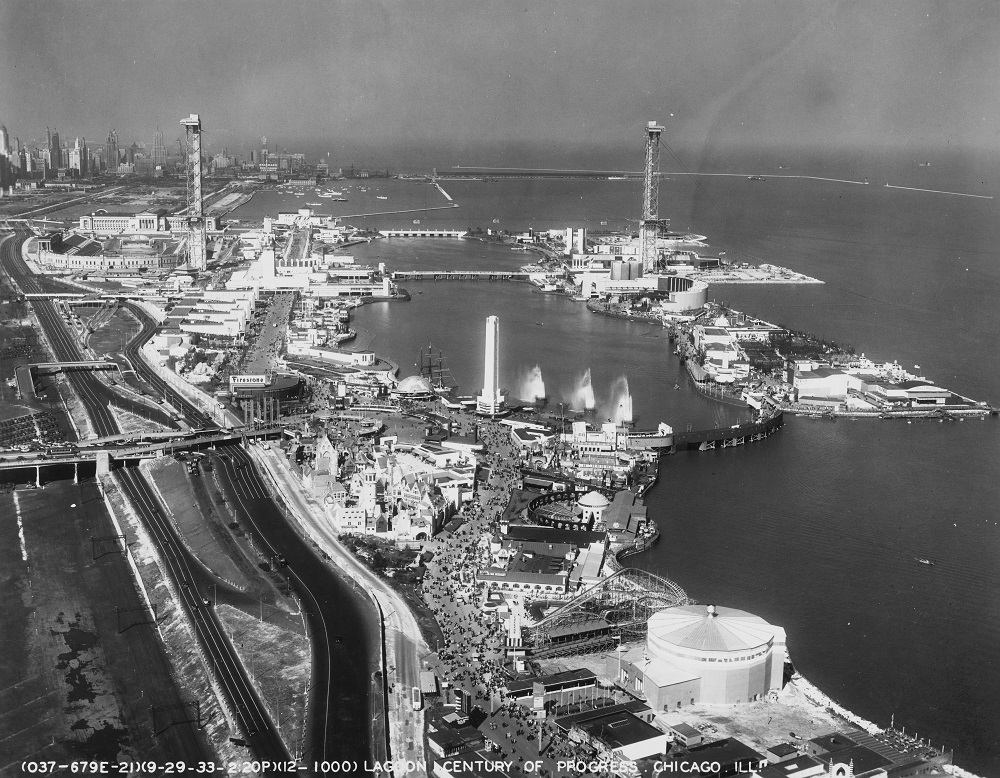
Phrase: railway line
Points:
(190, 590)
(193, 417)
(93, 393)
(340, 679)
(245, 707)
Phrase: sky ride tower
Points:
(491, 402)
(651, 224)
(197, 248)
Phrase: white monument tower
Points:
(490, 402)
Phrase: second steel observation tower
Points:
(651, 222)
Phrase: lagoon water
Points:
(817, 528)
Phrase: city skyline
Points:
(474, 83)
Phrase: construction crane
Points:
(649, 229)
(196, 244)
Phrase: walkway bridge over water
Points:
(459, 275)
(616, 608)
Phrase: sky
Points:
(447, 82)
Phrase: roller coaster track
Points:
(617, 607)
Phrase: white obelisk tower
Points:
(490, 402)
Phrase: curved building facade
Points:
(261, 396)
(696, 654)
(738, 656)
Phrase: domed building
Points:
(591, 507)
(560, 510)
(696, 654)
(414, 387)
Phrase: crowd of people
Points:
(450, 586)
(472, 658)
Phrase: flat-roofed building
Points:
(782, 752)
(824, 382)
(620, 733)
(448, 742)
(733, 757)
(686, 735)
(799, 766)
(552, 685)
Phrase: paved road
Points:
(191, 590)
(405, 647)
(246, 707)
(95, 395)
(193, 417)
(342, 676)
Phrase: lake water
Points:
(818, 527)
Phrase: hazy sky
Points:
(461, 77)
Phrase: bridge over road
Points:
(104, 457)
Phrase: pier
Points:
(459, 275)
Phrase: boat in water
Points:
(432, 367)
(923, 561)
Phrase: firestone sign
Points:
(247, 380)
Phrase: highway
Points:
(188, 578)
(133, 350)
(93, 393)
(244, 704)
(337, 619)
(404, 645)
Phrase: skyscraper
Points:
(55, 151)
(112, 151)
(6, 169)
(490, 402)
(159, 152)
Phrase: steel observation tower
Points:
(195, 212)
(651, 223)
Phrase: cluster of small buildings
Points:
(730, 652)
(721, 346)
(296, 253)
(393, 490)
(635, 738)
(319, 322)
(608, 455)
(529, 560)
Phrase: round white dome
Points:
(593, 499)
(414, 384)
(695, 628)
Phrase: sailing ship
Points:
(432, 367)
